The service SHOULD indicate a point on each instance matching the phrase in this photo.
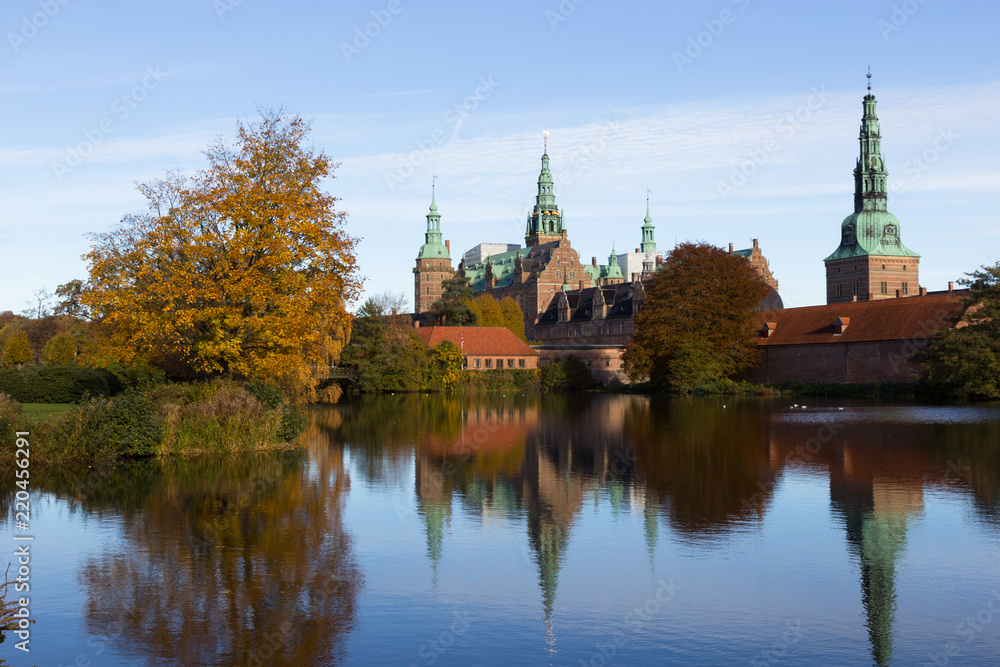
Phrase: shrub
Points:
(102, 428)
(270, 395)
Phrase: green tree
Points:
(384, 355)
(60, 349)
(444, 366)
(18, 350)
(696, 323)
(965, 362)
(454, 308)
(241, 270)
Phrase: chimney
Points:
(854, 298)
(593, 262)
(635, 277)
(951, 286)
(923, 291)
(898, 293)
(730, 247)
(416, 324)
(637, 251)
(659, 260)
(581, 285)
(447, 244)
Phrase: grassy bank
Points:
(164, 420)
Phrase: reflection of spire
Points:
(651, 528)
(434, 507)
(876, 517)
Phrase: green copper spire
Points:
(871, 229)
(870, 174)
(648, 244)
(545, 222)
(614, 271)
(433, 247)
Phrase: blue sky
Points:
(670, 96)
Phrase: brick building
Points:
(433, 263)
(871, 261)
(852, 342)
(483, 348)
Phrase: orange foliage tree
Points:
(242, 270)
(696, 324)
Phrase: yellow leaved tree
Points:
(242, 270)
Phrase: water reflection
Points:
(698, 468)
(222, 562)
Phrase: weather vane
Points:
(434, 178)
(545, 138)
(869, 77)
(648, 192)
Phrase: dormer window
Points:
(768, 329)
(840, 326)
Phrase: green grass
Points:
(46, 411)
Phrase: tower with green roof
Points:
(433, 262)
(871, 261)
(545, 223)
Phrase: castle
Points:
(586, 310)
(560, 296)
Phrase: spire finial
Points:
(545, 139)
(869, 77)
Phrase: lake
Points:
(561, 530)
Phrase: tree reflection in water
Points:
(232, 562)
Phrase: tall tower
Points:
(433, 263)
(545, 223)
(648, 244)
(871, 261)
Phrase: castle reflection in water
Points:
(694, 467)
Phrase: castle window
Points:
(906, 288)
(489, 363)
(428, 290)
(510, 363)
(904, 267)
(855, 289)
(499, 363)
(520, 363)
(840, 290)
(883, 267)
(885, 287)
(476, 363)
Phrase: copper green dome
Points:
(870, 232)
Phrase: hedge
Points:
(56, 383)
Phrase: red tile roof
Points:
(887, 319)
(479, 341)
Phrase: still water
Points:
(591, 530)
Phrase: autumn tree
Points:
(454, 308)
(18, 350)
(696, 323)
(965, 362)
(242, 270)
(60, 349)
(444, 366)
(503, 313)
